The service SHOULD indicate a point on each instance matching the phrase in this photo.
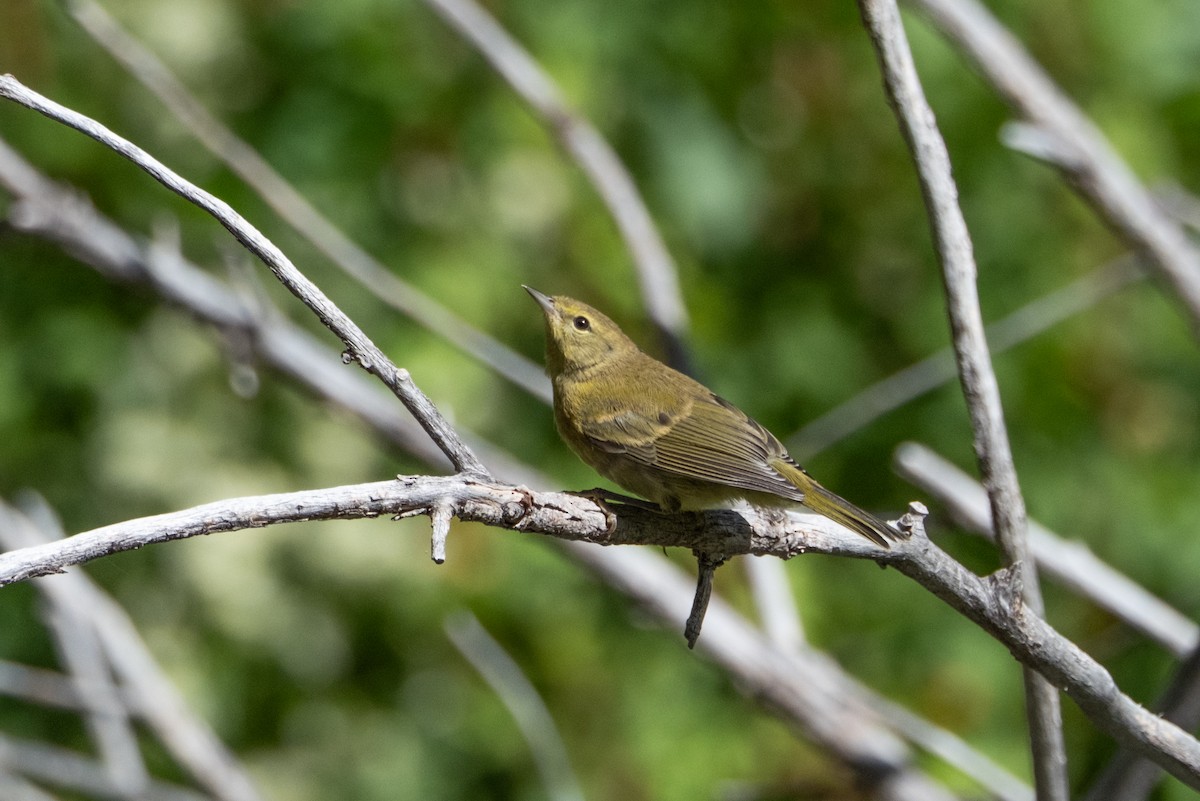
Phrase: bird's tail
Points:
(837, 508)
(840, 510)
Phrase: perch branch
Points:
(989, 602)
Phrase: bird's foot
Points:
(602, 498)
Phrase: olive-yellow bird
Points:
(662, 435)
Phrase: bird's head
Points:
(578, 336)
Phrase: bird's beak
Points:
(545, 301)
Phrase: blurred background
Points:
(760, 138)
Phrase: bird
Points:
(664, 436)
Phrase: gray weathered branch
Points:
(359, 346)
(989, 602)
(293, 207)
(980, 389)
(1074, 143)
(1070, 562)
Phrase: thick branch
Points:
(359, 346)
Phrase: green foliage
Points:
(761, 140)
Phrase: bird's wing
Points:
(631, 430)
(709, 440)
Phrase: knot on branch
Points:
(1005, 587)
(912, 522)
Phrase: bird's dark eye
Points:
(582, 323)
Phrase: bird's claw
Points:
(601, 497)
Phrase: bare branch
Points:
(561, 515)
(359, 347)
(656, 272)
(992, 449)
(293, 207)
(1070, 562)
(1070, 139)
(1131, 777)
(991, 603)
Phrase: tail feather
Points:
(840, 510)
(834, 506)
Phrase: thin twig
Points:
(992, 449)
(292, 206)
(1081, 151)
(1069, 562)
(537, 726)
(656, 271)
(359, 346)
